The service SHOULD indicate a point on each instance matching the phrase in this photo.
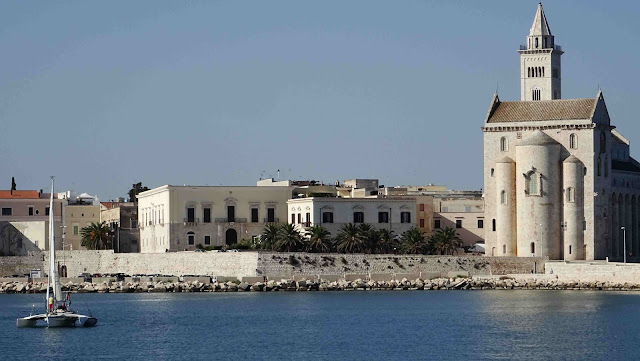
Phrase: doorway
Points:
(231, 237)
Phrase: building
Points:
(24, 221)
(462, 210)
(178, 218)
(559, 181)
(76, 217)
(396, 214)
(122, 218)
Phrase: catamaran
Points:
(59, 313)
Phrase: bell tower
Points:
(540, 70)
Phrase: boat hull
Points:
(61, 321)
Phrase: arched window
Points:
(533, 187)
(569, 249)
(503, 197)
(533, 248)
(504, 144)
(493, 224)
(606, 166)
(573, 141)
(535, 72)
(535, 94)
(571, 196)
(492, 172)
(191, 237)
(543, 71)
(504, 249)
(536, 43)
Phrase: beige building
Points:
(24, 221)
(122, 218)
(395, 214)
(75, 218)
(463, 211)
(559, 181)
(177, 218)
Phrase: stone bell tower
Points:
(540, 70)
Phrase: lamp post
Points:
(624, 245)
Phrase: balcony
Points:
(275, 220)
(231, 220)
(191, 221)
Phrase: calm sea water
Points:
(392, 325)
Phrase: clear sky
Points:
(105, 94)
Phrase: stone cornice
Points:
(513, 128)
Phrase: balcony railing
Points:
(231, 220)
(191, 221)
(274, 220)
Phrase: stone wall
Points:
(273, 263)
(240, 264)
(600, 271)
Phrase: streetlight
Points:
(624, 245)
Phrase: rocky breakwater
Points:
(503, 283)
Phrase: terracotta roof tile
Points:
(560, 109)
(19, 195)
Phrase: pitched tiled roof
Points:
(19, 195)
(540, 110)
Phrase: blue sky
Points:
(105, 94)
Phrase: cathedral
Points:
(559, 180)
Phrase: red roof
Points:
(110, 205)
(19, 195)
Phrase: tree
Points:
(269, 237)
(135, 190)
(319, 239)
(349, 239)
(289, 239)
(388, 242)
(413, 241)
(96, 236)
(446, 241)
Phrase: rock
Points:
(243, 286)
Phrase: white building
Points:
(559, 181)
(177, 218)
(396, 214)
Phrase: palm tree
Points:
(319, 239)
(96, 236)
(350, 239)
(269, 237)
(413, 241)
(289, 238)
(388, 242)
(446, 241)
(369, 236)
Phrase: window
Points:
(536, 94)
(421, 222)
(206, 215)
(571, 197)
(503, 197)
(533, 248)
(271, 215)
(207, 240)
(421, 207)
(46, 211)
(458, 223)
(254, 215)
(383, 217)
(480, 223)
(191, 214)
(308, 218)
(573, 141)
(191, 238)
(231, 213)
(504, 144)
(569, 249)
(75, 230)
(536, 43)
(492, 170)
(504, 249)
(533, 183)
(436, 224)
(293, 218)
(358, 217)
(327, 217)
(493, 224)
(31, 211)
(134, 224)
(405, 217)
(299, 218)
(8, 211)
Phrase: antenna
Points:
(497, 86)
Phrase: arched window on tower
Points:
(532, 183)
(504, 144)
(543, 71)
(536, 43)
(503, 197)
(529, 72)
(573, 141)
(535, 72)
(571, 195)
(535, 94)
(504, 249)
(533, 248)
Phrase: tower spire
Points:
(540, 26)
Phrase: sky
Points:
(106, 94)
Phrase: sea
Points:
(348, 325)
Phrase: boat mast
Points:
(53, 271)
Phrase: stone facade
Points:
(75, 218)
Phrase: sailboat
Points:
(59, 313)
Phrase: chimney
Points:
(40, 193)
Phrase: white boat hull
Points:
(62, 320)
